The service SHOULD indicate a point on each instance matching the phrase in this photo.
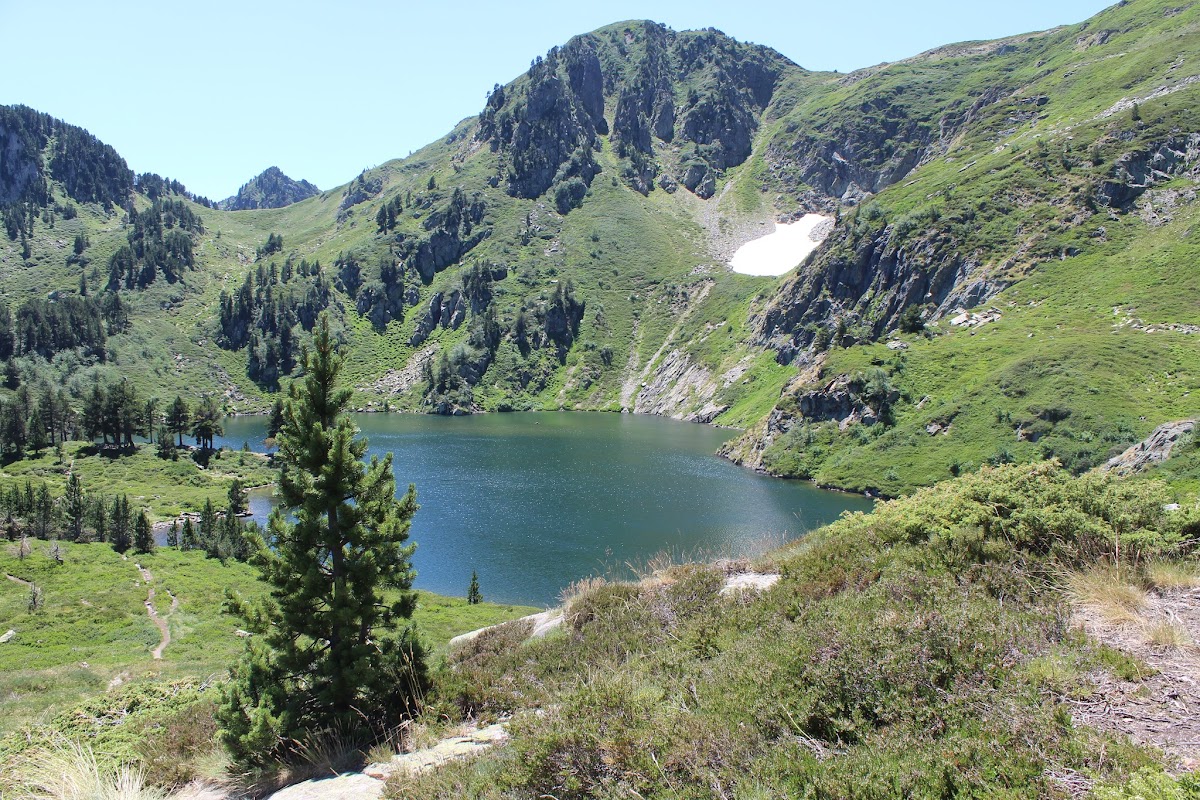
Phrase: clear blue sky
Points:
(212, 93)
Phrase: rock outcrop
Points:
(1135, 172)
(1153, 450)
(271, 189)
(868, 281)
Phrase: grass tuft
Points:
(1169, 634)
(1169, 575)
(71, 771)
(1103, 590)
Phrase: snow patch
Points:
(779, 252)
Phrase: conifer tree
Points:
(179, 418)
(473, 595)
(75, 507)
(331, 648)
(187, 537)
(208, 528)
(238, 498)
(143, 534)
(119, 523)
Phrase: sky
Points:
(213, 93)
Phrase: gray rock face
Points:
(453, 229)
(1155, 449)
(21, 164)
(548, 125)
(1134, 173)
(870, 282)
(271, 189)
(586, 79)
(447, 310)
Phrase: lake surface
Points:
(534, 501)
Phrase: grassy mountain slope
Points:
(91, 633)
(1066, 206)
(564, 250)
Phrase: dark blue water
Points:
(533, 502)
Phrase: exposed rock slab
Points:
(446, 750)
(1155, 449)
(540, 624)
(754, 582)
(350, 786)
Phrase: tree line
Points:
(34, 419)
(81, 516)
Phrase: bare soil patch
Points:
(1162, 709)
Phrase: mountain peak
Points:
(271, 189)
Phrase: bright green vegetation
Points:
(916, 651)
(562, 250)
(163, 487)
(91, 627)
(1042, 192)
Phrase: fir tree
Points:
(173, 534)
(119, 524)
(143, 534)
(75, 507)
(329, 649)
(179, 418)
(473, 595)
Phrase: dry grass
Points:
(578, 589)
(1107, 592)
(70, 771)
(397, 741)
(1168, 575)
(1168, 633)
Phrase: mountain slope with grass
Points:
(1005, 275)
(944, 645)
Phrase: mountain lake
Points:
(535, 501)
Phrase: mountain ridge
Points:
(566, 244)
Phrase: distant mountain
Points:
(271, 189)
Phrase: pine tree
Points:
(75, 507)
(179, 418)
(329, 649)
(173, 534)
(206, 423)
(119, 524)
(238, 497)
(275, 422)
(143, 534)
(187, 539)
(208, 528)
(473, 595)
(43, 512)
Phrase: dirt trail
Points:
(15, 579)
(159, 622)
(1162, 709)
